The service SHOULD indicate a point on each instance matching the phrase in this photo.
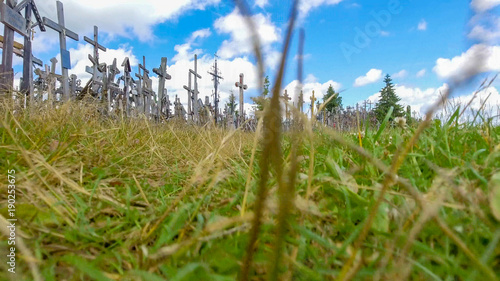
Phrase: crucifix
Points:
(65, 56)
(370, 104)
(128, 86)
(286, 98)
(52, 78)
(14, 22)
(313, 100)
(147, 88)
(242, 87)
(301, 102)
(113, 86)
(190, 97)
(197, 76)
(216, 76)
(140, 101)
(162, 76)
(167, 105)
(28, 59)
(97, 70)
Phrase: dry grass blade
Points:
(28, 257)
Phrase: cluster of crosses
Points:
(125, 93)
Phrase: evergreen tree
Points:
(335, 103)
(388, 99)
(231, 104)
(261, 100)
(408, 115)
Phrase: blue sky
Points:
(350, 44)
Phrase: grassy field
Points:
(112, 199)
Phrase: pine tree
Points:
(388, 99)
(335, 103)
(231, 104)
(261, 100)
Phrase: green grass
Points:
(112, 199)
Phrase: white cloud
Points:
(478, 59)
(310, 84)
(132, 19)
(306, 6)
(185, 51)
(240, 42)
(422, 25)
(421, 73)
(261, 3)
(385, 33)
(79, 57)
(402, 74)
(484, 33)
(202, 33)
(420, 100)
(371, 76)
(484, 5)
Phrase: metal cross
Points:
(242, 87)
(65, 56)
(162, 76)
(197, 76)
(216, 76)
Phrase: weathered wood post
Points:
(242, 87)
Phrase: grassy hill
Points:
(128, 199)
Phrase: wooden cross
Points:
(301, 102)
(167, 106)
(65, 56)
(190, 97)
(128, 86)
(216, 76)
(96, 70)
(287, 98)
(140, 85)
(96, 45)
(313, 100)
(370, 104)
(197, 76)
(28, 59)
(14, 22)
(113, 86)
(242, 87)
(162, 75)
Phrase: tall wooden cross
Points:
(113, 87)
(190, 97)
(301, 102)
(286, 98)
(30, 9)
(197, 76)
(96, 45)
(14, 22)
(162, 76)
(128, 86)
(65, 56)
(242, 87)
(140, 85)
(313, 100)
(96, 70)
(216, 76)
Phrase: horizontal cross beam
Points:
(60, 29)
